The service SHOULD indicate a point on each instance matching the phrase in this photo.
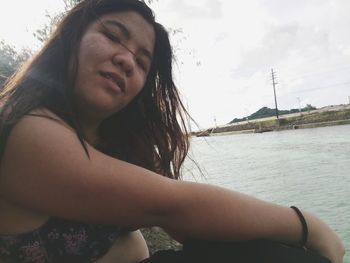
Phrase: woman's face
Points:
(114, 58)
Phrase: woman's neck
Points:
(90, 132)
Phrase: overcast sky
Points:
(226, 49)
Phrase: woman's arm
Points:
(45, 168)
(229, 215)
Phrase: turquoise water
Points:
(309, 168)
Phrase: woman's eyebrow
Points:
(125, 31)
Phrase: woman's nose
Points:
(125, 61)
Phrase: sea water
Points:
(308, 168)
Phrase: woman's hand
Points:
(323, 240)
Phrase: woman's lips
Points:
(115, 78)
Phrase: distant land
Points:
(265, 120)
(267, 112)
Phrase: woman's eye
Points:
(141, 64)
(112, 37)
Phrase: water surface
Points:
(309, 168)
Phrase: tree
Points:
(45, 32)
(309, 107)
(10, 60)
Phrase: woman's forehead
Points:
(132, 25)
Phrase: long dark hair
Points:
(150, 131)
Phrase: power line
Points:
(317, 73)
(319, 68)
(325, 87)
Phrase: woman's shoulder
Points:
(39, 125)
(43, 157)
(38, 139)
(38, 130)
(45, 115)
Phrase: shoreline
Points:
(295, 127)
(328, 116)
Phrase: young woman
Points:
(92, 136)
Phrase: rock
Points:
(158, 239)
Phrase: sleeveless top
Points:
(58, 241)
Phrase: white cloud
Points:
(306, 42)
(19, 21)
(208, 9)
(347, 51)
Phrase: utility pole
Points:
(299, 105)
(215, 125)
(274, 90)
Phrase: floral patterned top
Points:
(59, 241)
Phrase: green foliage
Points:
(45, 32)
(10, 60)
(314, 119)
(308, 107)
(267, 112)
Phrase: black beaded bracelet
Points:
(304, 226)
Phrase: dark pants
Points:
(236, 252)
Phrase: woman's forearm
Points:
(209, 212)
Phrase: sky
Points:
(225, 51)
